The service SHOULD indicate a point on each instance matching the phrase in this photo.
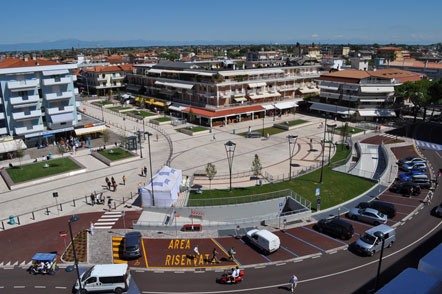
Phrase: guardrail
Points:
(349, 143)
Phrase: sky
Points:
(275, 21)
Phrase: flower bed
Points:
(80, 243)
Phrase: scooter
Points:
(226, 278)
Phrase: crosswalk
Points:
(428, 145)
(107, 220)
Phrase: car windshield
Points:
(86, 274)
(369, 239)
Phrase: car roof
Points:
(44, 256)
(109, 270)
(341, 222)
(371, 210)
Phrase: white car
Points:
(264, 240)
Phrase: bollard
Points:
(47, 211)
(18, 220)
(115, 205)
(130, 195)
(123, 200)
(33, 216)
(73, 200)
(61, 207)
(3, 226)
(85, 199)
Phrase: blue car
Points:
(407, 176)
(419, 166)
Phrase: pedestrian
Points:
(429, 197)
(108, 183)
(156, 136)
(293, 282)
(124, 180)
(250, 130)
(438, 173)
(142, 172)
(115, 186)
(196, 252)
(109, 203)
(92, 199)
(101, 198)
(214, 258)
(92, 228)
(214, 137)
(145, 171)
(232, 254)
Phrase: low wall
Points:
(190, 133)
(109, 162)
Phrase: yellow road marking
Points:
(119, 261)
(234, 260)
(116, 244)
(116, 255)
(117, 238)
(144, 253)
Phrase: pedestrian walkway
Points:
(428, 145)
(107, 220)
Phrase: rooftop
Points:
(25, 62)
(354, 75)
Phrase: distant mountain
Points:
(69, 43)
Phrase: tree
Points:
(418, 94)
(19, 152)
(211, 172)
(435, 92)
(256, 166)
(106, 137)
(61, 149)
(344, 133)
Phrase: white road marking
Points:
(60, 287)
(19, 287)
(40, 287)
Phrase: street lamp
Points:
(331, 132)
(75, 218)
(150, 163)
(381, 236)
(323, 149)
(139, 133)
(292, 144)
(230, 151)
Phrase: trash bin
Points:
(260, 182)
(234, 131)
(11, 220)
(50, 155)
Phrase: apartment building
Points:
(37, 97)
(431, 69)
(215, 90)
(105, 80)
(390, 53)
(362, 94)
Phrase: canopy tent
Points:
(166, 186)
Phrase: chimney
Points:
(34, 57)
(26, 58)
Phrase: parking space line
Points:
(401, 197)
(403, 213)
(320, 249)
(289, 251)
(407, 205)
(144, 253)
(360, 223)
(224, 250)
(324, 235)
(265, 257)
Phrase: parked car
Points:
(411, 159)
(407, 176)
(386, 208)
(406, 188)
(369, 243)
(368, 215)
(335, 227)
(264, 240)
(438, 210)
(132, 245)
(419, 166)
(422, 182)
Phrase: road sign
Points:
(63, 234)
(318, 200)
(280, 204)
(318, 190)
(122, 213)
(55, 194)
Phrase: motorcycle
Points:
(226, 278)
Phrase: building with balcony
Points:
(362, 94)
(105, 80)
(222, 89)
(390, 53)
(37, 97)
(431, 69)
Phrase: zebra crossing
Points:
(107, 220)
(428, 145)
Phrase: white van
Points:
(264, 240)
(105, 277)
(369, 244)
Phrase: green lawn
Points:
(142, 113)
(193, 129)
(294, 122)
(270, 131)
(115, 153)
(37, 170)
(102, 103)
(336, 187)
(162, 119)
(118, 108)
(350, 130)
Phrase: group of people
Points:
(113, 184)
(42, 267)
(214, 258)
(144, 171)
(97, 199)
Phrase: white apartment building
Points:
(105, 80)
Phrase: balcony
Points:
(117, 77)
(3, 131)
(26, 115)
(55, 96)
(56, 81)
(27, 130)
(329, 95)
(58, 110)
(25, 85)
(2, 115)
(31, 100)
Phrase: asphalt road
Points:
(341, 272)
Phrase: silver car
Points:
(368, 215)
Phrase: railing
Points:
(349, 143)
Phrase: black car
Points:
(132, 245)
(386, 208)
(335, 227)
(423, 183)
(406, 188)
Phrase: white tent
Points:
(166, 186)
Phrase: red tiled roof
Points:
(126, 67)
(20, 62)
(414, 63)
(114, 58)
(354, 76)
(221, 113)
(390, 48)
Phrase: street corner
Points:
(180, 253)
(118, 256)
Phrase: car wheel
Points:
(372, 253)
(118, 291)
(391, 244)
(83, 291)
(376, 223)
(320, 230)
(354, 217)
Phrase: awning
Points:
(332, 108)
(240, 99)
(256, 85)
(64, 117)
(85, 131)
(55, 72)
(377, 89)
(158, 103)
(351, 87)
(285, 105)
(329, 86)
(265, 95)
(377, 112)
(133, 87)
(268, 106)
(12, 145)
(243, 72)
(177, 107)
(371, 100)
(309, 90)
(175, 85)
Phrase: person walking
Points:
(232, 254)
(124, 180)
(429, 197)
(293, 282)
(142, 172)
(196, 252)
(113, 183)
(145, 171)
(214, 258)
(109, 203)
(92, 199)
(108, 183)
(91, 231)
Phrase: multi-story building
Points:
(432, 69)
(105, 80)
(37, 97)
(225, 89)
(365, 95)
(390, 53)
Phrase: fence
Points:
(349, 143)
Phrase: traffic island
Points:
(80, 244)
(114, 156)
(160, 121)
(40, 172)
(120, 109)
(289, 125)
(193, 131)
(140, 114)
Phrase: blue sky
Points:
(387, 21)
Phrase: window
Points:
(112, 280)
(92, 280)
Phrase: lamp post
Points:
(323, 150)
(381, 236)
(230, 151)
(263, 118)
(150, 163)
(75, 218)
(292, 144)
(139, 133)
(331, 132)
